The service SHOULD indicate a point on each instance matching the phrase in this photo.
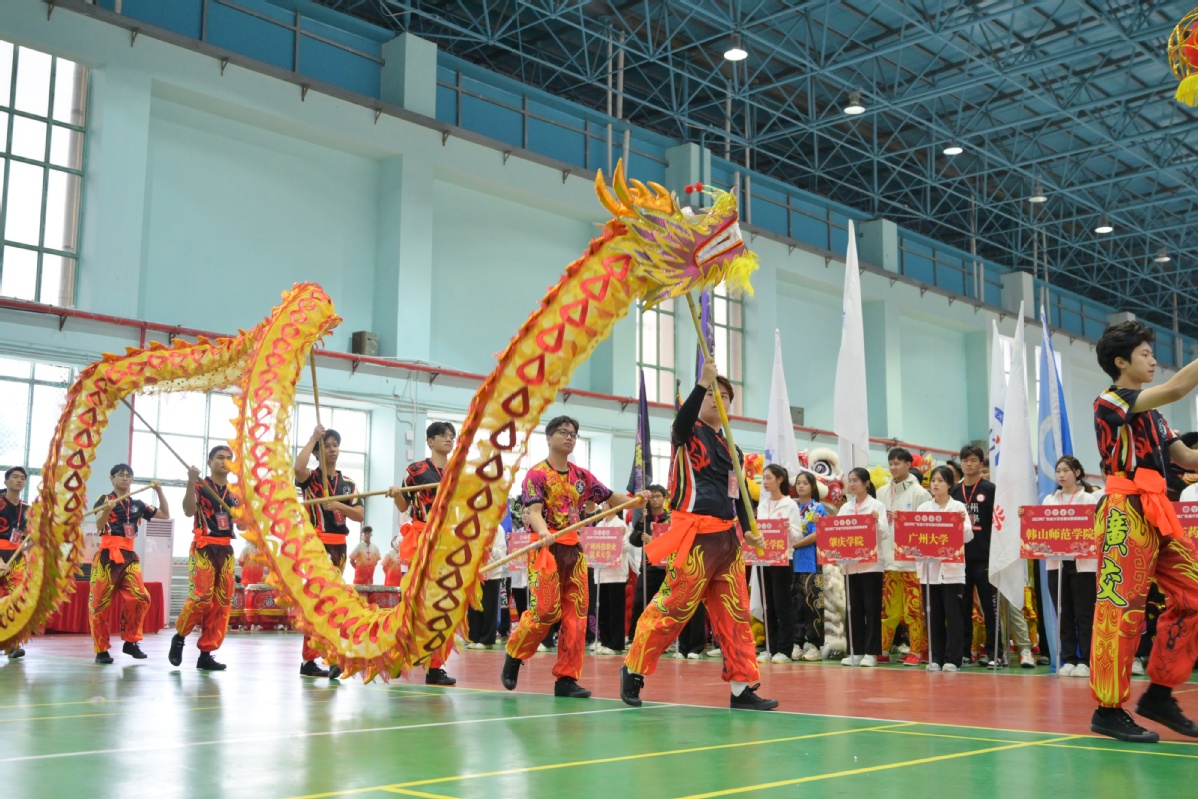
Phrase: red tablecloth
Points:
(72, 615)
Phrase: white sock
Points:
(738, 688)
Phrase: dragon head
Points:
(679, 249)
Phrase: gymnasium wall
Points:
(206, 195)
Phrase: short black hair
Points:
(972, 451)
(212, 452)
(333, 434)
(726, 384)
(946, 474)
(899, 454)
(658, 489)
(120, 467)
(20, 469)
(1120, 341)
(958, 472)
(559, 421)
(439, 429)
(366, 528)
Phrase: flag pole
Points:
(719, 403)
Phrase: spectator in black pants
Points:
(779, 580)
(483, 625)
(649, 581)
(864, 580)
(978, 497)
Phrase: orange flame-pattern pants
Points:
(108, 580)
(903, 602)
(1133, 552)
(15, 577)
(561, 595)
(211, 596)
(714, 574)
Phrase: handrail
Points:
(434, 372)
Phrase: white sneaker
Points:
(542, 648)
(869, 661)
(604, 650)
(851, 660)
(1137, 667)
(797, 652)
(1082, 670)
(780, 658)
(1066, 670)
(714, 653)
(694, 656)
(904, 650)
(679, 656)
(812, 655)
(933, 667)
(949, 668)
(763, 657)
(1027, 660)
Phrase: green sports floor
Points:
(259, 730)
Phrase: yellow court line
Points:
(956, 737)
(405, 792)
(617, 759)
(1126, 751)
(871, 769)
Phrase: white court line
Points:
(321, 733)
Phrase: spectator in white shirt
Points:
(864, 580)
(610, 596)
(901, 602)
(946, 582)
(1078, 579)
(780, 623)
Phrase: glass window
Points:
(43, 104)
(655, 351)
(728, 316)
(32, 396)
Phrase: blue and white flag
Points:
(1053, 441)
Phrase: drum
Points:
(262, 607)
(237, 609)
(381, 596)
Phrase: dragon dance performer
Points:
(556, 492)
(14, 513)
(327, 517)
(1142, 539)
(116, 568)
(705, 561)
(210, 562)
(440, 437)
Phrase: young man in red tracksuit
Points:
(705, 559)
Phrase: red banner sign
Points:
(929, 535)
(1187, 514)
(602, 546)
(660, 529)
(1057, 532)
(518, 540)
(853, 537)
(776, 533)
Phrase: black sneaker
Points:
(334, 672)
(175, 655)
(567, 687)
(16, 652)
(208, 663)
(310, 669)
(1168, 712)
(630, 687)
(511, 672)
(749, 700)
(438, 677)
(1118, 723)
(103, 657)
(134, 651)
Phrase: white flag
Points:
(998, 392)
(1014, 481)
(779, 429)
(850, 418)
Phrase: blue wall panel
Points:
(181, 16)
(331, 64)
(242, 33)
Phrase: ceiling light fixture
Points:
(1104, 226)
(735, 52)
(1038, 195)
(1161, 257)
(954, 149)
(854, 107)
